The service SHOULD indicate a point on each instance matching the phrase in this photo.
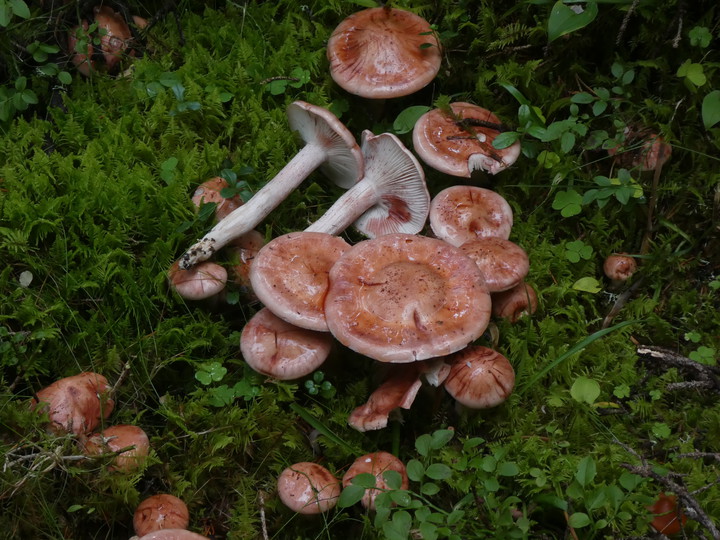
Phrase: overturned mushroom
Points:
(459, 141)
(329, 145)
(390, 198)
(383, 53)
(281, 350)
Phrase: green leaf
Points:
(441, 437)
(630, 481)
(429, 489)
(365, 480)
(700, 36)
(578, 520)
(20, 8)
(350, 495)
(567, 141)
(438, 471)
(508, 468)
(405, 121)
(400, 497)
(564, 19)
(585, 390)
(661, 430)
(582, 97)
(399, 527)
(5, 14)
(393, 479)
(568, 202)
(505, 139)
(711, 109)
(586, 469)
(415, 470)
(423, 444)
(692, 72)
(587, 284)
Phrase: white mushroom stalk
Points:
(328, 145)
(392, 197)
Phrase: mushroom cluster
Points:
(414, 301)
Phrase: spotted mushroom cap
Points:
(290, 276)
(308, 488)
(451, 143)
(402, 298)
(282, 350)
(383, 53)
(459, 214)
(619, 267)
(503, 263)
(480, 377)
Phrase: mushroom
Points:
(200, 282)
(667, 517)
(242, 252)
(75, 404)
(329, 145)
(383, 53)
(479, 377)
(115, 39)
(399, 389)
(161, 511)
(459, 141)
(459, 214)
(643, 149)
(289, 275)
(390, 198)
(308, 488)
(132, 440)
(171, 534)
(210, 192)
(503, 263)
(515, 302)
(281, 350)
(402, 298)
(619, 267)
(82, 60)
(376, 464)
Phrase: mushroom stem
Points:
(350, 206)
(250, 214)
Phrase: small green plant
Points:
(222, 395)
(318, 386)
(576, 250)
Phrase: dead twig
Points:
(620, 302)
(702, 375)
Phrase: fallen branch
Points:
(701, 375)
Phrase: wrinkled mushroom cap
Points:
(459, 214)
(308, 488)
(116, 36)
(290, 276)
(282, 350)
(161, 511)
(381, 53)
(515, 302)
(503, 263)
(376, 464)
(480, 377)
(75, 404)
(209, 192)
(456, 150)
(401, 298)
(344, 164)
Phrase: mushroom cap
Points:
(114, 41)
(399, 389)
(290, 276)
(399, 178)
(172, 534)
(402, 298)
(376, 464)
(459, 214)
(480, 377)
(619, 267)
(83, 61)
(75, 404)
(515, 302)
(458, 149)
(381, 53)
(503, 263)
(282, 350)
(209, 192)
(202, 281)
(161, 511)
(647, 151)
(308, 488)
(115, 438)
(344, 164)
